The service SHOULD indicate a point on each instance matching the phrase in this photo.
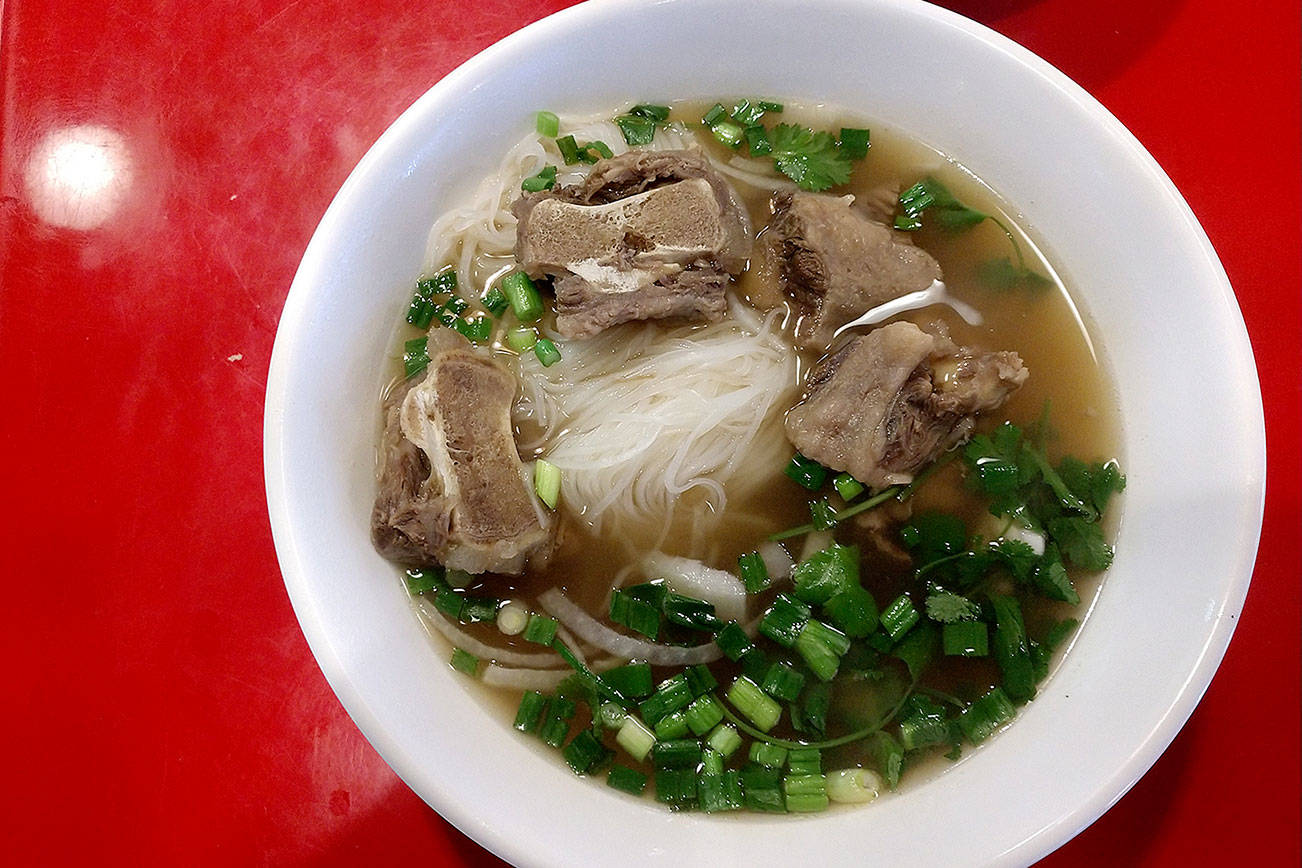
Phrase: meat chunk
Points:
(452, 488)
(891, 401)
(836, 263)
(647, 235)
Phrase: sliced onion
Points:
(523, 679)
(466, 642)
(692, 578)
(815, 542)
(777, 560)
(592, 631)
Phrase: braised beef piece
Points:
(452, 488)
(836, 262)
(889, 402)
(647, 235)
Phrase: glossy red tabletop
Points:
(162, 167)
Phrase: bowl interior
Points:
(1145, 276)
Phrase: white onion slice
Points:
(523, 679)
(777, 560)
(595, 633)
(466, 642)
(691, 578)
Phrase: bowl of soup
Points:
(792, 436)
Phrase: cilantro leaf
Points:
(1051, 579)
(1017, 556)
(929, 195)
(1093, 483)
(1002, 275)
(809, 158)
(1081, 542)
(948, 607)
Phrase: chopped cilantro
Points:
(948, 607)
(811, 159)
(1081, 542)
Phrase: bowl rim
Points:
(333, 662)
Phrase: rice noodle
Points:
(625, 647)
(466, 642)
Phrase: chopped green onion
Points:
(847, 486)
(720, 791)
(714, 115)
(414, 357)
(546, 352)
(853, 786)
(806, 472)
(547, 482)
(699, 680)
(464, 661)
(733, 641)
(805, 793)
(747, 113)
(477, 329)
(965, 639)
(899, 616)
(512, 619)
(984, 716)
(556, 725)
(1011, 651)
(521, 338)
(672, 694)
(754, 573)
(682, 753)
(704, 714)
(853, 610)
(634, 737)
(636, 130)
(762, 789)
(784, 620)
(494, 301)
(547, 124)
(754, 703)
(854, 142)
(650, 111)
(887, 755)
(813, 708)
(540, 629)
(422, 580)
(544, 180)
(569, 150)
(626, 779)
(601, 148)
(783, 682)
(672, 725)
(754, 664)
(632, 680)
(925, 724)
(728, 133)
(821, 647)
(772, 755)
(676, 787)
(772, 107)
(724, 739)
(711, 761)
(522, 295)
(456, 305)
(530, 712)
(585, 753)
(805, 761)
(690, 612)
(637, 615)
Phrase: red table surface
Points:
(164, 707)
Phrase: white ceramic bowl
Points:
(1145, 275)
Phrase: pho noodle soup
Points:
(752, 457)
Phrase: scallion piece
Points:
(754, 573)
(758, 142)
(821, 647)
(626, 779)
(729, 133)
(414, 357)
(556, 724)
(476, 329)
(826, 573)
(853, 786)
(672, 725)
(965, 639)
(544, 180)
(733, 641)
(1011, 650)
(716, 113)
(847, 486)
(704, 714)
(805, 793)
(650, 111)
(423, 580)
(540, 629)
(719, 791)
(637, 615)
(547, 482)
(724, 739)
(773, 756)
(853, 610)
(783, 682)
(636, 130)
(635, 737)
(601, 148)
(899, 616)
(546, 352)
(700, 680)
(784, 620)
(676, 787)
(569, 150)
(521, 338)
(773, 107)
(633, 680)
(530, 712)
(747, 113)
(762, 789)
(464, 661)
(682, 753)
(522, 295)
(984, 716)
(806, 472)
(672, 694)
(746, 696)
(854, 142)
(887, 755)
(494, 301)
(547, 124)
(711, 761)
(585, 753)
